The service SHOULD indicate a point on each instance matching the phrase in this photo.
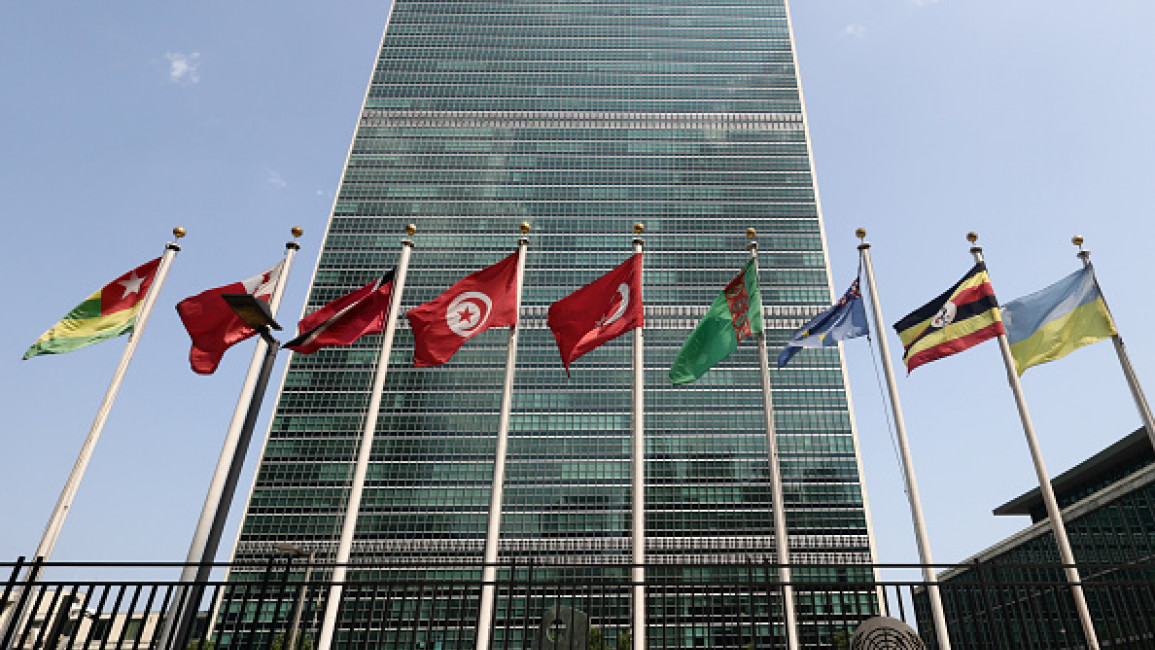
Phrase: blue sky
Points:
(1027, 121)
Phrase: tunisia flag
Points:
(214, 326)
(346, 319)
(598, 312)
(487, 298)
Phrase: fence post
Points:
(17, 613)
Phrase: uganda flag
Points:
(106, 314)
(963, 316)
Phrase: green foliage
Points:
(840, 640)
(597, 640)
(304, 642)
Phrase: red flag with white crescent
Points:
(598, 312)
(484, 299)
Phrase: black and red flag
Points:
(598, 312)
(346, 319)
(484, 299)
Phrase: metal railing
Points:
(553, 606)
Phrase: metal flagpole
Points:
(781, 540)
(638, 471)
(213, 510)
(68, 494)
(1053, 512)
(72, 485)
(353, 508)
(1124, 358)
(493, 527)
(920, 535)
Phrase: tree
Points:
(304, 642)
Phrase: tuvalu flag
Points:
(1051, 323)
(106, 314)
(483, 299)
(735, 314)
(598, 312)
(963, 316)
(845, 319)
(346, 319)
(213, 326)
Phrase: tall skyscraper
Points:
(580, 118)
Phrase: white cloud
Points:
(853, 31)
(183, 68)
(275, 179)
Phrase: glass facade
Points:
(580, 118)
(1108, 504)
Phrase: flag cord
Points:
(889, 421)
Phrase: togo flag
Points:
(735, 314)
(1051, 323)
(106, 314)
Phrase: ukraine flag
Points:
(1051, 323)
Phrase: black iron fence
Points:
(549, 606)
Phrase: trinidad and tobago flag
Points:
(346, 319)
(964, 316)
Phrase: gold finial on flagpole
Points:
(1078, 241)
(973, 237)
(860, 233)
(751, 233)
(297, 231)
(639, 228)
(411, 229)
(179, 232)
(524, 227)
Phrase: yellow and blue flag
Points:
(846, 319)
(1051, 323)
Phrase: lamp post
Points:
(257, 315)
(299, 606)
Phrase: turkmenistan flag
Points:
(735, 314)
(106, 314)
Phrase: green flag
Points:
(735, 314)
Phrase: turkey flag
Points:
(487, 298)
(598, 312)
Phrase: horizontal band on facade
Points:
(583, 119)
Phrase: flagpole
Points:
(1053, 512)
(920, 536)
(72, 485)
(207, 535)
(1124, 358)
(781, 540)
(638, 471)
(353, 508)
(493, 527)
(68, 494)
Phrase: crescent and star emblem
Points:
(468, 313)
(623, 304)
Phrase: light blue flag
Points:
(1051, 323)
(844, 320)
